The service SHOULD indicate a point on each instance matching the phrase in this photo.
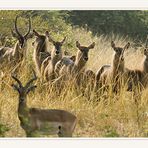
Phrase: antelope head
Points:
(57, 45)
(119, 51)
(24, 90)
(84, 50)
(39, 40)
(22, 39)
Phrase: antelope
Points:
(113, 73)
(82, 56)
(138, 77)
(41, 121)
(81, 59)
(56, 55)
(41, 53)
(20, 49)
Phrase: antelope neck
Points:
(80, 62)
(23, 111)
(118, 64)
(145, 66)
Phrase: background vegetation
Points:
(131, 23)
(120, 116)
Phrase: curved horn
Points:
(29, 28)
(16, 29)
(17, 80)
(33, 79)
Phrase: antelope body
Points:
(138, 77)
(42, 121)
(112, 73)
(56, 55)
(41, 53)
(81, 59)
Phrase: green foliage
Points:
(110, 132)
(60, 23)
(3, 130)
(131, 23)
(54, 21)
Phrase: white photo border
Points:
(73, 5)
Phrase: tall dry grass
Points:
(114, 116)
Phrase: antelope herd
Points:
(55, 67)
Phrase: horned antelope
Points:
(113, 73)
(41, 121)
(41, 54)
(56, 55)
(20, 49)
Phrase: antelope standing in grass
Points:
(81, 59)
(75, 71)
(56, 55)
(82, 56)
(138, 78)
(42, 121)
(41, 53)
(113, 73)
(20, 49)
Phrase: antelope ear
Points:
(112, 44)
(46, 33)
(127, 46)
(35, 33)
(63, 40)
(91, 46)
(78, 44)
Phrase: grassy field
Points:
(119, 117)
